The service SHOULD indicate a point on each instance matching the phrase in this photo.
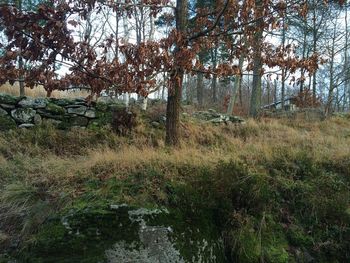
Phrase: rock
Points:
(7, 123)
(48, 115)
(73, 106)
(3, 112)
(55, 109)
(155, 124)
(236, 119)
(37, 103)
(127, 234)
(23, 115)
(216, 118)
(79, 111)
(8, 99)
(37, 119)
(8, 106)
(60, 102)
(90, 113)
(26, 125)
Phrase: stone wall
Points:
(27, 112)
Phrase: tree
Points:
(47, 36)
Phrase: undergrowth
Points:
(280, 190)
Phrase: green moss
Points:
(55, 109)
(8, 99)
(81, 236)
(7, 123)
(61, 102)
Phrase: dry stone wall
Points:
(26, 112)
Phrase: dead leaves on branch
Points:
(44, 38)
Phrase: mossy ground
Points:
(279, 191)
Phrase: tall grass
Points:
(39, 92)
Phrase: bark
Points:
(283, 92)
(126, 95)
(314, 33)
(331, 77)
(346, 71)
(304, 51)
(200, 88)
(255, 100)
(21, 78)
(214, 56)
(174, 93)
(200, 83)
(21, 64)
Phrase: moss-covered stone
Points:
(61, 102)
(23, 115)
(55, 109)
(7, 123)
(119, 233)
(8, 99)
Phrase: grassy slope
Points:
(281, 189)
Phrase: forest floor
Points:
(283, 186)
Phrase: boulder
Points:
(122, 233)
(79, 110)
(36, 103)
(23, 115)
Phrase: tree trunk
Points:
(346, 71)
(314, 50)
(214, 56)
(283, 91)
(174, 93)
(255, 101)
(302, 80)
(331, 77)
(200, 88)
(21, 79)
(20, 62)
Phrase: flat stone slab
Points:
(26, 125)
(36, 103)
(79, 111)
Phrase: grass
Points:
(281, 187)
(39, 92)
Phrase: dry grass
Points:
(256, 143)
(39, 92)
